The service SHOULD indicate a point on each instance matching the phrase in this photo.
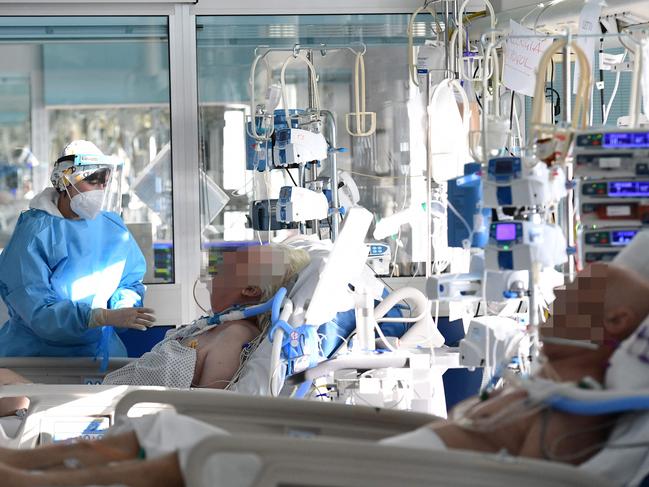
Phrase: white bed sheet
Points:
(624, 466)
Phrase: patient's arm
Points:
(159, 472)
(219, 351)
(88, 453)
(9, 405)
(9, 377)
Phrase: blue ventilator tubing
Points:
(272, 305)
(303, 389)
(599, 406)
(278, 299)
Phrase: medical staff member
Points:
(71, 268)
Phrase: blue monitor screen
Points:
(628, 140)
(622, 237)
(506, 232)
(628, 189)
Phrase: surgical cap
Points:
(65, 170)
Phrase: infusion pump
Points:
(611, 153)
(612, 169)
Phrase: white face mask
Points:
(88, 204)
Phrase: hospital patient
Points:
(605, 304)
(200, 355)
(203, 355)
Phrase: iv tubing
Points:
(253, 124)
(314, 83)
(460, 39)
(580, 110)
(359, 102)
(412, 68)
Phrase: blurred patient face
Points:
(243, 275)
(604, 302)
(578, 311)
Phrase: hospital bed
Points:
(61, 370)
(238, 413)
(60, 412)
(344, 463)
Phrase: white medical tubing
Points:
(253, 107)
(607, 109)
(636, 100)
(580, 110)
(359, 89)
(485, 97)
(424, 327)
(415, 295)
(464, 222)
(359, 102)
(314, 83)
(195, 298)
(276, 351)
(412, 68)
(460, 38)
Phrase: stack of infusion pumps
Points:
(612, 170)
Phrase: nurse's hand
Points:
(135, 318)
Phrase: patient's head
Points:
(605, 302)
(250, 275)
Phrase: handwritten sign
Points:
(522, 57)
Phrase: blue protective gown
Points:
(54, 271)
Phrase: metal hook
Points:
(261, 46)
(323, 49)
(359, 52)
(296, 50)
(364, 48)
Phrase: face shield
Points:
(79, 173)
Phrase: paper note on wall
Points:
(588, 25)
(522, 57)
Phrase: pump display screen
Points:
(628, 140)
(628, 189)
(622, 237)
(506, 232)
(504, 166)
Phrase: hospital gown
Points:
(168, 364)
(54, 271)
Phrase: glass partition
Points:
(104, 79)
(387, 166)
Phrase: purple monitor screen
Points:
(505, 232)
(628, 189)
(622, 237)
(629, 140)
